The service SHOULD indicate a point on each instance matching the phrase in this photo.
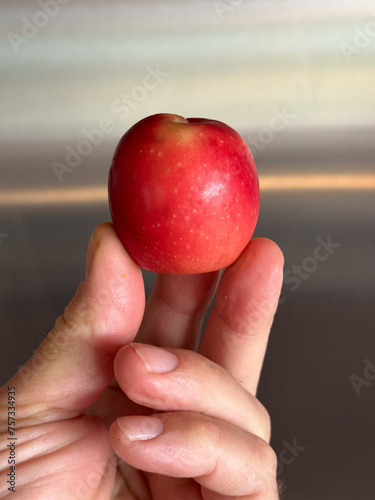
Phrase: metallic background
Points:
(70, 67)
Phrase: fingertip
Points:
(271, 248)
(129, 437)
(114, 284)
(91, 250)
(114, 435)
(261, 264)
(263, 250)
(102, 232)
(260, 268)
(123, 359)
(271, 258)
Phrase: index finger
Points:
(239, 324)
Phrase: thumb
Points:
(74, 364)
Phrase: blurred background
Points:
(297, 79)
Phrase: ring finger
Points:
(221, 457)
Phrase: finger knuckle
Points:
(265, 422)
(268, 460)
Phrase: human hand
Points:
(183, 424)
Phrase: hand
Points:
(183, 424)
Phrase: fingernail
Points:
(156, 360)
(140, 428)
(93, 245)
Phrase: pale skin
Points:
(102, 416)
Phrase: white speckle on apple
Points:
(151, 150)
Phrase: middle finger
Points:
(175, 309)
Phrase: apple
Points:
(183, 194)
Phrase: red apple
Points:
(183, 194)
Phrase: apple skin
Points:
(183, 194)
